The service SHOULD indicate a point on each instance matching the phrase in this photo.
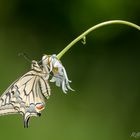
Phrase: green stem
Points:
(83, 35)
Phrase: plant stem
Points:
(83, 35)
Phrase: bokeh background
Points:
(105, 72)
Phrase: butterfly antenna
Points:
(40, 61)
(26, 57)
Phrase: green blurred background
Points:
(105, 72)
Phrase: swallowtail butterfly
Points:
(26, 96)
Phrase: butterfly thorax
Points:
(35, 66)
(39, 70)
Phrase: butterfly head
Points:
(35, 66)
(51, 63)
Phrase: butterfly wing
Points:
(25, 96)
(5, 106)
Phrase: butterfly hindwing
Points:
(25, 96)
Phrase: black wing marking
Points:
(45, 88)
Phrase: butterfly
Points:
(26, 96)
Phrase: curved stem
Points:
(83, 35)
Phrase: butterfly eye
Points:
(40, 106)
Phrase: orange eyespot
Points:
(40, 106)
